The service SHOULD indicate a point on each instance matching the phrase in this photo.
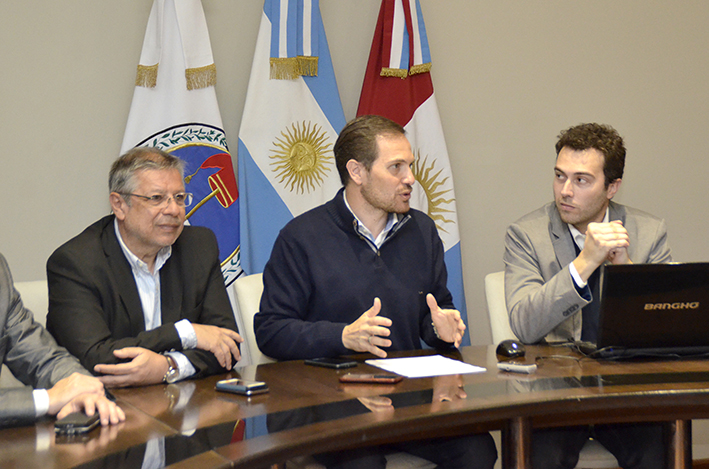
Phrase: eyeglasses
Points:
(183, 199)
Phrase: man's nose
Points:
(172, 207)
(566, 189)
(409, 178)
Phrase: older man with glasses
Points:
(138, 296)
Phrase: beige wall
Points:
(509, 75)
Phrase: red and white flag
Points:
(398, 85)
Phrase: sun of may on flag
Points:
(175, 109)
(292, 116)
(397, 85)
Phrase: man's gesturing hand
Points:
(220, 341)
(367, 333)
(447, 322)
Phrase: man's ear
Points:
(613, 188)
(356, 171)
(118, 205)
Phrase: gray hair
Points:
(121, 177)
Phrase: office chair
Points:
(35, 297)
(248, 290)
(593, 455)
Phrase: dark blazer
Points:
(94, 306)
(30, 353)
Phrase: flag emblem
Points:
(302, 157)
(210, 177)
(435, 189)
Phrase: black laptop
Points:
(653, 310)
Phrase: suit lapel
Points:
(560, 237)
(120, 270)
(617, 212)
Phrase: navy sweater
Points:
(322, 276)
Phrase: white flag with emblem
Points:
(175, 109)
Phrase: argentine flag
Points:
(292, 116)
(397, 85)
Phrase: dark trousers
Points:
(466, 452)
(635, 446)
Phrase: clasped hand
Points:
(604, 242)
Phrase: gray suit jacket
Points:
(29, 351)
(542, 300)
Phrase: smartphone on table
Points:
(76, 423)
(337, 363)
(242, 386)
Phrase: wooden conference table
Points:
(308, 411)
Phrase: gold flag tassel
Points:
(147, 76)
(284, 68)
(201, 77)
(393, 72)
(421, 68)
(308, 65)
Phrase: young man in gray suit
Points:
(552, 259)
(62, 384)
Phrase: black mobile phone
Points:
(370, 378)
(76, 423)
(242, 386)
(337, 363)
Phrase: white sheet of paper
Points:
(423, 367)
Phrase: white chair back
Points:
(247, 292)
(497, 307)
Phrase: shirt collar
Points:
(137, 264)
(392, 220)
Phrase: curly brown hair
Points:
(601, 137)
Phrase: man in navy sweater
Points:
(365, 273)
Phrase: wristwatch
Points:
(173, 373)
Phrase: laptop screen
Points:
(654, 306)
